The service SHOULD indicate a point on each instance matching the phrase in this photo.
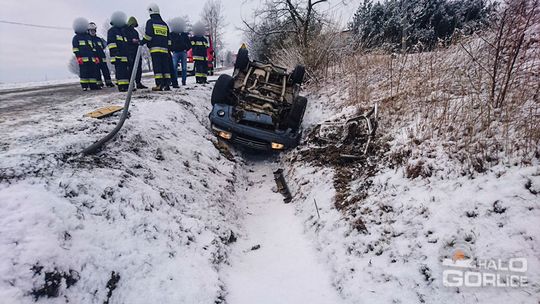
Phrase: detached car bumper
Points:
(224, 126)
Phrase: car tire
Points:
(298, 74)
(298, 108)
(242, 60)
(222, 92)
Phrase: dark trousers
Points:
(102, 68)
(87, 73)
(131, 59)
(174, 76)
(122, 74)
(201, 70)
(162, 68)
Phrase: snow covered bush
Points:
(418, 24)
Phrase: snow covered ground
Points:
(413, 224)
(161, 216)
(274, 262)
(146, 221)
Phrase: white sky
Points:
(35, 54)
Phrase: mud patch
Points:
(53, 282)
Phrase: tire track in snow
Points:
(285, 268)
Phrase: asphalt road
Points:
(19, 101)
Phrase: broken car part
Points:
(282, 186)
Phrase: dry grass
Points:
(452, 99)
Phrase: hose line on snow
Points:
(97, 145)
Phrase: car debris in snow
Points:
(282, 186)
(357, 131)
(104, 112)
(256, 247)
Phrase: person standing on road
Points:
(101, 58)
(83, 48)
(133, 42)
(118, 48)
(199, 46)
(180, 44)
(157, 37)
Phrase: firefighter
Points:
(133, 42)
(180, 44)
(118, 48)
(83, 49)
(157, 37)
(199, 46)
(101, 58)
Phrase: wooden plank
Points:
(104, 112)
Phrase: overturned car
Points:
(259, 107)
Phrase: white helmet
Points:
(118, 19)
(199, 29)
(153, 9)
(80, 25)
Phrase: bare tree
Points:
(212, 15)
(290, 32)
(298, 17)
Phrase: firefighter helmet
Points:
(132, 21)
(153, 9)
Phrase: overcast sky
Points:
(37, 54)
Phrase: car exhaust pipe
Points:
(282, 186)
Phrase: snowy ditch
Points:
(385, 231)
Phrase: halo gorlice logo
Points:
(462, 270)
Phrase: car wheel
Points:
(222, 92)
(242, 59)
(297, 76)
(294, 119)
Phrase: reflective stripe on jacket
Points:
(117, 42)
(156, 33)
(83, 46)
(199, 47)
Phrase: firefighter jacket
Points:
(117, 44)
(83, 47)
(99, 47)
(132, 34)
(157, 35)
(199, 46)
